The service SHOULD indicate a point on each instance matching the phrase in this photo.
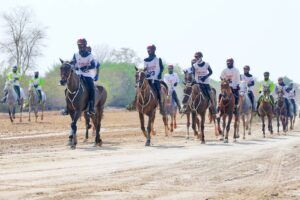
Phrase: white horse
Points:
(245, 108)
(34, 103)
(12, 100)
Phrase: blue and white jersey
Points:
(152, 68)
(201, 70)
(171, 80)
(87, 61)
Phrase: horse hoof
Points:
(226, 141)
(202, 142)
(244, 138)
(73, 147)
(221, 139)
(85, 140)
(147, 144)
(237, 136)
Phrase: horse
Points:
(34, 103)
(186, 109)
(146, 103)
(265, 110)
(226, 109)
(198, 103)
(170, 108)
(281, 112)
(245, 108)
(12, 100)
(293, 115)
(77, 99)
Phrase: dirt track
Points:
(36, 164)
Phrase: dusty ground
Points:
(36, 164)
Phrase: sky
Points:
(261, 33)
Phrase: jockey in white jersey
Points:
(171, 79)
(232, 75)
(153, 67)
(291, 93)
(96, 78)
(202, 71)
(85, 65)
(281, 86)
(248, 78)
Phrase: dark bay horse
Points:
(226, 108)
(281, 112)
(146, 104)
(77, 99)
(265, 110)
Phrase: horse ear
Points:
(136, 69)
(61, 60)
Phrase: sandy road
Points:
(36, 164)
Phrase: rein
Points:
(140, 95)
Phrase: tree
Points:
(125, 55)
(102, 52)
(24, 38)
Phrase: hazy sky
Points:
(263, 34)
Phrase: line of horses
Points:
(196, 104)
(33, 102)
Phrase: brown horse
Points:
(146, 104)
(77, 99)
(226, 108)
(281, 112)
(265, 110)
(170, 108)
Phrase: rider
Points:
(232, 75)
(84, 64)
(266, 82)
(281, 86)
(202, 71)
(89, 49)
(15, 77)
(172, 80)
(37, 83)
(292, 95)
(248, 78)
(153, 67)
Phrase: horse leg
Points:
(98, 128)
(202, 127)
(21, 110)
(224, 126)
(142, 122)
(29, 112)
(36, 113)
(188, 123)
(244, 126)
(175, 123)
(195, 123)
(153, 132)
(165, 120)
(250, 123)
(87, 126)
(263, 126)
(148, 142)
(236, 126)
(172, 123)
(278, 124)
(43, 107)
(270, 124)
(10, 114)
(74, 128)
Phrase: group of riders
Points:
(15, 77)
(87, 66)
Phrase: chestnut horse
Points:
(226, 109)
(77, 99)
(265, 110)
(146, 104)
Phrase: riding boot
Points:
(174, 95)
(91, 108)
(213, 103)
(65, 111)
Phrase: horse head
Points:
(66, 70)
(187, 91)
(225, 89)
(188, 77)
(243, 89)
(8, 85)
(140, 78)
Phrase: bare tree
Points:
(24, 38)
(102, 52)
(125, 55)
